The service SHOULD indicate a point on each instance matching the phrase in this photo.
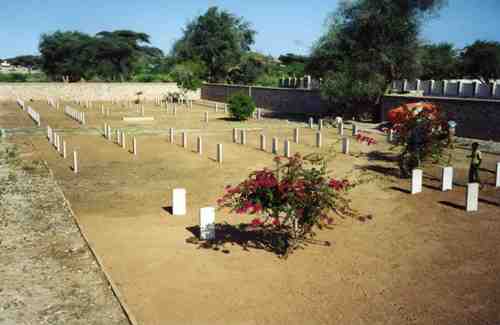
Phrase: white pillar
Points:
(179, 201)
(286, 150)
(105, 130)
(275, 146)
(134, 146)
(262, 142)
(390, 135)
(447, 179)
(124, 144)
(354, 129)
(319, 141)
(199, 145)
(235, 135)
(109, 132)
(416, 181)
(206, 117)
(142, 110)
(320, 124)
(472, 197)
(219, 153)
(311, 122)
(207, 223)
(497, 183)
(345, 146)
(341, 129)
(64, 149)
(243, 136)
(184, 140)
(171, 135)
(75, 162)
(296, 135)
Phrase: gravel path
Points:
(47, 273)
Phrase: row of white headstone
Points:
(59, 144)
(74, 114)
(242, 139)
(207, 214)
(472, 193)
(35, 116)
(199, 144)
(121, 138)
(52, 103)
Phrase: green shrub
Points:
(241, 106)
(13, 77)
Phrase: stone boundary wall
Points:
(476, 118)
(279, 100)
(88, 90)
(449, 88)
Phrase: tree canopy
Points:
(438, 61)
(218, 39)
(482, 60)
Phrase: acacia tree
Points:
(438, 61)
(481, 60)
(374, 37)
(219, 39)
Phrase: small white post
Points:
(105, 130)
(118, 136)
(319, 141)
(243, 137)
(206, 117)
(416, 181)
(345, 146)
(447, 179)
(64, 153)
(262, 142)
(109, 132)
(75, 162)
(216, 108)
(390, 135)
(472, 197)
(142, 110)
(207, 223)
(184, 140)
(287, 148)
(275, 146)
(311, 122)
(235, 135)
(219, 153)
(134, 146)
(341, 129)
(175, 110)
(171, 135)
(179, 201)
(296, 135)
(497, 184)
(124, 144)
(320, 124)
(199, 145)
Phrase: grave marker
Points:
(296, 135)
(235, 135)
(134, 146)
(75, 162)
(184, 140)
(206, 117)
(219, 153)
(320, 124)
(124, 140)
(472, 197)
(243, 137)
(171, 135)
(341, 129)
(447, 179)
(199, 145)
(345, 146)
(275, 146)
(286, 150)
(262, 142)
(207, 223)
(319, 141)
(497, 183)
(64, 149)
(311, 122)
(416, 181)
(179, 201)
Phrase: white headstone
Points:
(286, 150)
(262, 142)
(416, 181)
(296, 135)
(341, 129)
(235, 135)
(320, 124)
(311, 122)
(123, 141)
(207, 223)
(447, 179)
(179, 201)
(64, 149)
(497, 183)
(390, 135)
(171, 135)
(134, 146)
(75, 162)
(319, 140)
(219, 152)
(243, 137)
(472, 197)
(199, 145)
(275, 146)
(184, 140)
(206, 117)
(345, 146)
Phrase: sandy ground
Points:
(421, 259)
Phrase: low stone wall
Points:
(88, 90)
(476, 118)
(279, 100)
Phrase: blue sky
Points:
(282, 26)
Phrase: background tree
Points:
(68, 54)
(438, 62)
(481, 60)
(27, 61)
(188, 75)
(375, 37)
(217, 38)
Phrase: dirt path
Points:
(47, 273)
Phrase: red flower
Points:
(276, 221)
(256, 222)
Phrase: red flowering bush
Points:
(291, 199)
(423, 133)
(361, 138)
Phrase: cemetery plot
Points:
(124, 202)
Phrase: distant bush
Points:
(241, 106)
(149, 77)
(13, 77)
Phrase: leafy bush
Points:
(13, 77)
(292, 199)
(241, 106)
